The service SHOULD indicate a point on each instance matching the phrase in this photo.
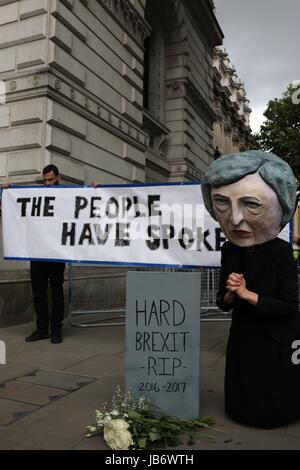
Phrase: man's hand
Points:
(95, 184)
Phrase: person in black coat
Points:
(42, 272)
(252, 195)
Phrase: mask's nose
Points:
(237, 215)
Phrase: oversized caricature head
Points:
(251, 194)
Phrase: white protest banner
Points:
(158, 224)
(140, 224)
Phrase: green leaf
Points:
(142, 441)
(281, 130)
(149, 429)
(134, 414)
(154, 436)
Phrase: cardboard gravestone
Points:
(163, 340)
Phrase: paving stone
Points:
(246, 438)
(12, 371)
(211, 358)
(76, 347)
(30, 393)
(108, 366)
(13, 445)
(11, 411)
(93, 443)
(97, 355)
(62, 424)
(107, 341)
(61, 380)
(50, 356)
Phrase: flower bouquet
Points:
(131, 424)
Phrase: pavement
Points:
(48, 392)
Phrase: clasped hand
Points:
(236, 283)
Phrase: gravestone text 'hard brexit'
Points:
(163, 340)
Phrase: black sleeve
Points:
(223, 278)
(285, 304)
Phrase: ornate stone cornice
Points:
(128, 16)
(200, 102)
(201, 12)
(53, 84)
(186, 88)
(227, 127)
(184, 169)
(235, 135)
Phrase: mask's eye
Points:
(221, 200)
(253, 204)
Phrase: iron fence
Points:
(97, 295)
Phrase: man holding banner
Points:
(41, 272)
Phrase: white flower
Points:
(114, 413)
(116, 434)
(106, 419)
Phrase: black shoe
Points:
(56, 337)
(36, 336)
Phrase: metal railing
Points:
(97, 295)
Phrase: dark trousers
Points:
(42, 272)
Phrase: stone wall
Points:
(73, 73)
(188, 33)
(232, 131)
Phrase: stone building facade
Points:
(119, 91)
(113, 90)
(232, 131)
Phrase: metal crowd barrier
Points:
(97, 294)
